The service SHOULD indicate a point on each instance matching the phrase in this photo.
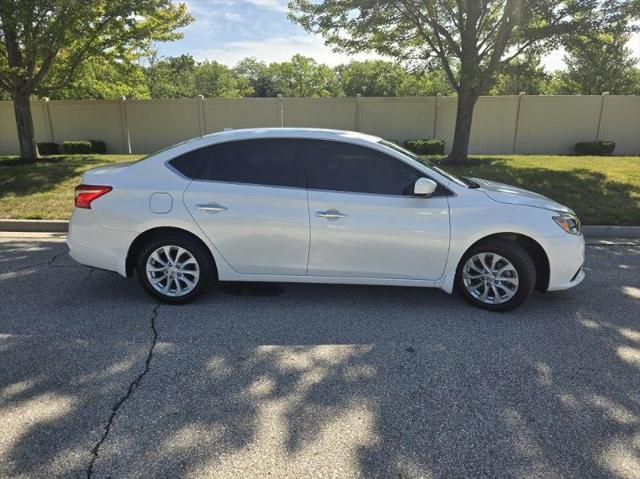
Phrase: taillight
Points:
(85, 194)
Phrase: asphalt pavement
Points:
(253, 380)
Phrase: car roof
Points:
(261, 133)
(309, 133)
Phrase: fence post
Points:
(201, 118)
(124, 121)
(436, 114)
(47, 115)
(517, 126)
(280, 110)
(358, 112)
(604, 97)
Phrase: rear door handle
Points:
(212, 208)
(331, 214)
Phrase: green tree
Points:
(44, 43)
(183, 77)
(524, 74)
(256, 74)
(472, 40)
(100, 80)
(300, 77)
(172, 77)
(371, 78)
(213, 79)
(383, 78)
(599, 61)
(428, 83)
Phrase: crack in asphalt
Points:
(49, 262)
(130, 390)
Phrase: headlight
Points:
(568, 222)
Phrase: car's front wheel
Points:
(498, 275)
(174, 268)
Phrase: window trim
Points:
(239, 140)
(173, 169)
(445, 191)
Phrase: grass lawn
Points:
(602, 190)
(45, 190)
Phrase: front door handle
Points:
(212, 208)
(331, 214)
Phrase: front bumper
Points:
(566, 259)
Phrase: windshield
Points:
(413, 156)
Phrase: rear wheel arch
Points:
(531, 246)
(143, 238)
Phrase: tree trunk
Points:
(24, 123)
(464, 116)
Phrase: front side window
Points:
(352, 168)
(269, 162)
(413, 156)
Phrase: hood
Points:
(517, 196)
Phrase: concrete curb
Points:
(603, 232)
(34, 226)
(61, 226)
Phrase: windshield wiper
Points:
(470, 183)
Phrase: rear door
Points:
(250, 199)
(365, 219)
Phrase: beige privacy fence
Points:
(501, 124)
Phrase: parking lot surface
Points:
(98, 379)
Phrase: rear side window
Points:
(191, 164)
(352, 168)
(271, 162)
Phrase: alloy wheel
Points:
(172, 270)
(490, 278)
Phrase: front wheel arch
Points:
(532, 247)
(143, 238)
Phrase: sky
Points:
(229, 30)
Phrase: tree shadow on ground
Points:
(19, 179)
(334, 380)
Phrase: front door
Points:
(251, 202)
(365, 220)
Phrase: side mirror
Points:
(424, 187)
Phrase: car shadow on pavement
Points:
(330, 380)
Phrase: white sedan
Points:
(319, 206)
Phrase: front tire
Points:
(174, 268)
(497, 275)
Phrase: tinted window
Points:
(272, 162)
(259, 162)
(344, 167)
(190, 164)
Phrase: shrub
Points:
(99, 147)
(84, 147)
(425, 146)
(76, 147)
(595, 148)
(48, 148)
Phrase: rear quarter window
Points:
(192, 163)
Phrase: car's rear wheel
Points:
(498, 275)
(173, 268)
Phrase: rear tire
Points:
(497, 275)
(174, 268)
